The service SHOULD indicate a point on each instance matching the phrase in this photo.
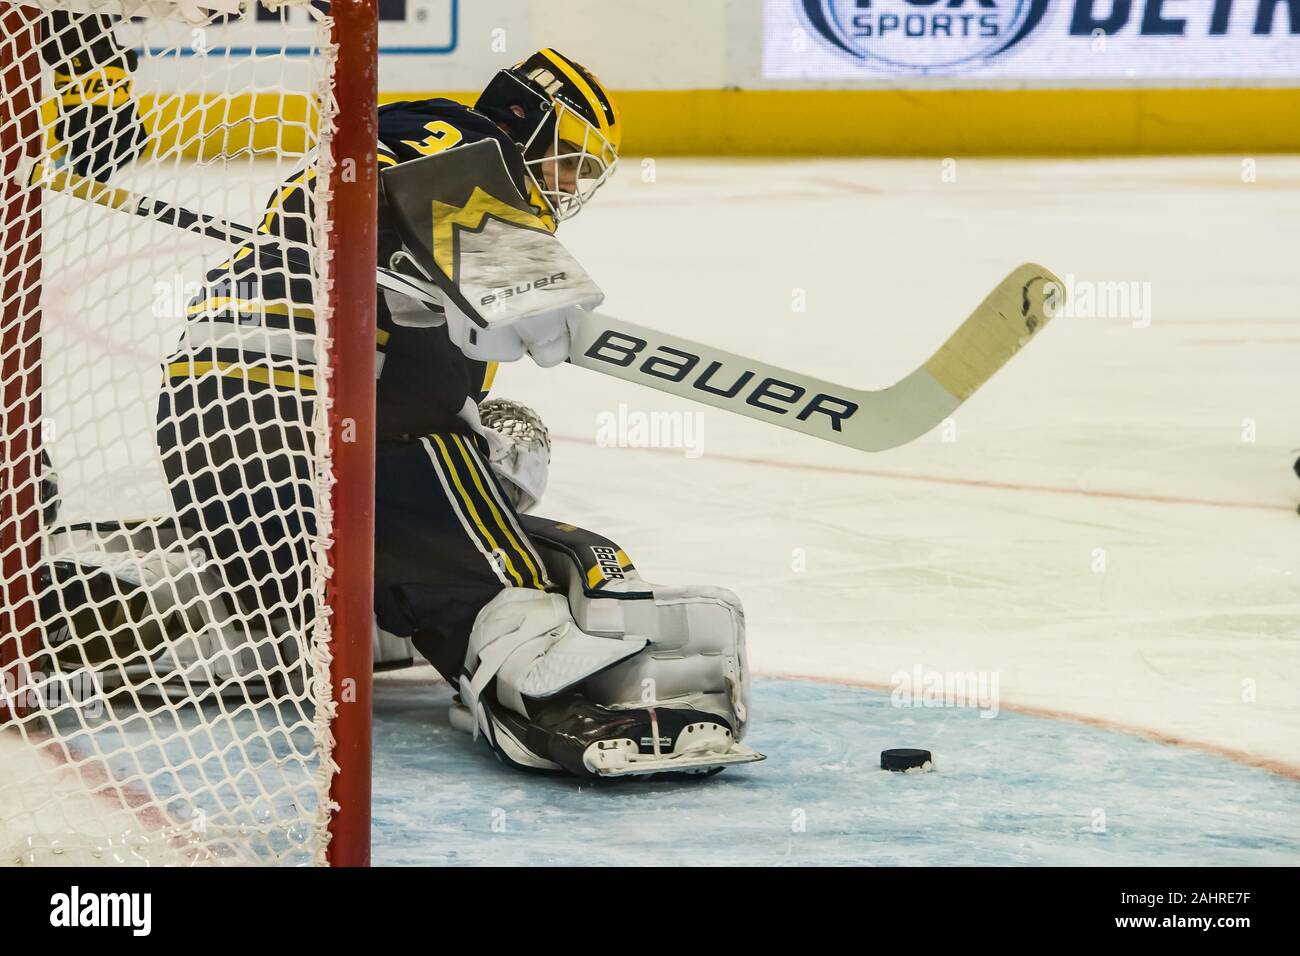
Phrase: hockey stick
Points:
(1010, 315)
(1015, 311)
(463, 220)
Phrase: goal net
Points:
(187, 376)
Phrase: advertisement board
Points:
(1041, 39)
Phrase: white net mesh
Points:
(164, 493)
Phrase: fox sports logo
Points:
(923, 35)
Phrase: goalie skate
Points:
(588, 739)
(591, 741)
(704, 747)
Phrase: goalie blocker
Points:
(510, 287)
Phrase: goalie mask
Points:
(564, 121)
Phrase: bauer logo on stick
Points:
(766, 393)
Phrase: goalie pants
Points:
(238, 461)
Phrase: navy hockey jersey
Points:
(255, 316)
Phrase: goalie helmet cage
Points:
(149, 714)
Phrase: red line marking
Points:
(950, 480)
(125, 796)
(1249, 340)
(1282, 768)
(1236, 322)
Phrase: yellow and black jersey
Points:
(407, 130)
(255, 318)
(96, 125)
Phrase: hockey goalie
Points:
(563, 658)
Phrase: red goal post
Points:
(350, 591)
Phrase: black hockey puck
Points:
(905, 759)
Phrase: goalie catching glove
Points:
(520, 449)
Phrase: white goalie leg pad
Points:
(184, 633)
(528, 640)
(695, 657)
(389, 650)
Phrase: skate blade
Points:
(634, 765)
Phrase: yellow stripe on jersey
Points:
(279, 377)
(472, 463)
(468, 501)
(251, 306)
(382, 337)
(489, 376)
(273, 210)
(241, 254)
